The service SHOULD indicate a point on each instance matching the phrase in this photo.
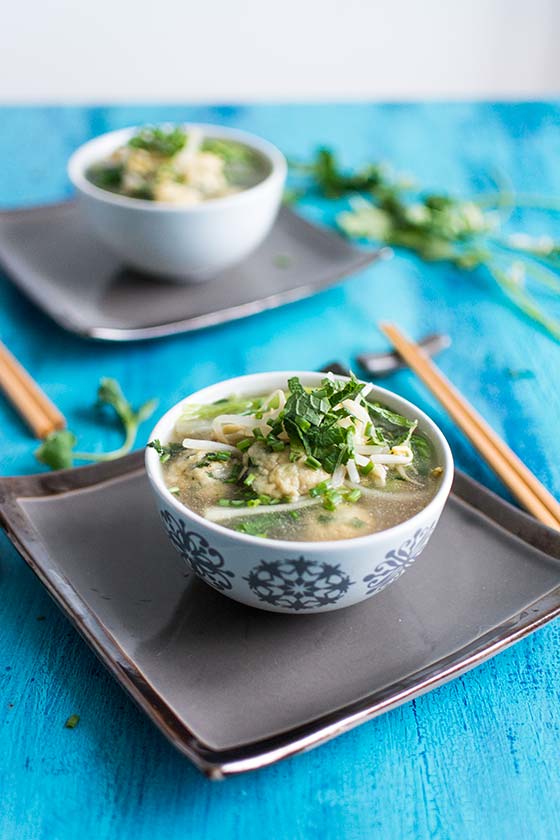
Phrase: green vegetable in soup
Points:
(264, 465)
(159, 141)
(178, 167)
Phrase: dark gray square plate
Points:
(236, 688)
(51, 255)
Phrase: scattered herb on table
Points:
(58, 449)
(282, 261)
(72, 722)
(387, 208)
(522, 373)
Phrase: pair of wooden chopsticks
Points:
(526, 488)
(32, 403)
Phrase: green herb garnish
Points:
(57, 450)
(107, 176)
(523, 373)
(72, 722)
(212, 457)
(165, 451)
(332, 499)
(310, 419)
(387, 208)
(159, 141)
(208, 411)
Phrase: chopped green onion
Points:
(244, 444)
(332, 500)
(320, 489)
(313, 462)
(275, 444)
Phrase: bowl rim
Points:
(165, 424)
(89, 152)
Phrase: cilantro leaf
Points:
(56, 451)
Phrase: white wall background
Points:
(221, 50)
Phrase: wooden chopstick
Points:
(513, 472)
(41, 415)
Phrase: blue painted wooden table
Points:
(477, 758)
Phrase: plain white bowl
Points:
(288, 576)
(186, 243)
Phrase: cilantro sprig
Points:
(467, 232)
(58, 449)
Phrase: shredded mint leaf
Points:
(422, 451)
(379, 411)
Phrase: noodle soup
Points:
(300, 463)
(176, 166)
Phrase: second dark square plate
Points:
(52, 256)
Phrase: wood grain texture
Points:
(477, 758)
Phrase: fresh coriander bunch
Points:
(468, 233)
(58, 449)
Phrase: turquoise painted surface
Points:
(477, 758)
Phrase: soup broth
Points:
(176, 167)
(311, 464)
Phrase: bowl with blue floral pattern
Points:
(298, 492)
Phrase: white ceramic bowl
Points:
(186, 243)
(288, 576)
